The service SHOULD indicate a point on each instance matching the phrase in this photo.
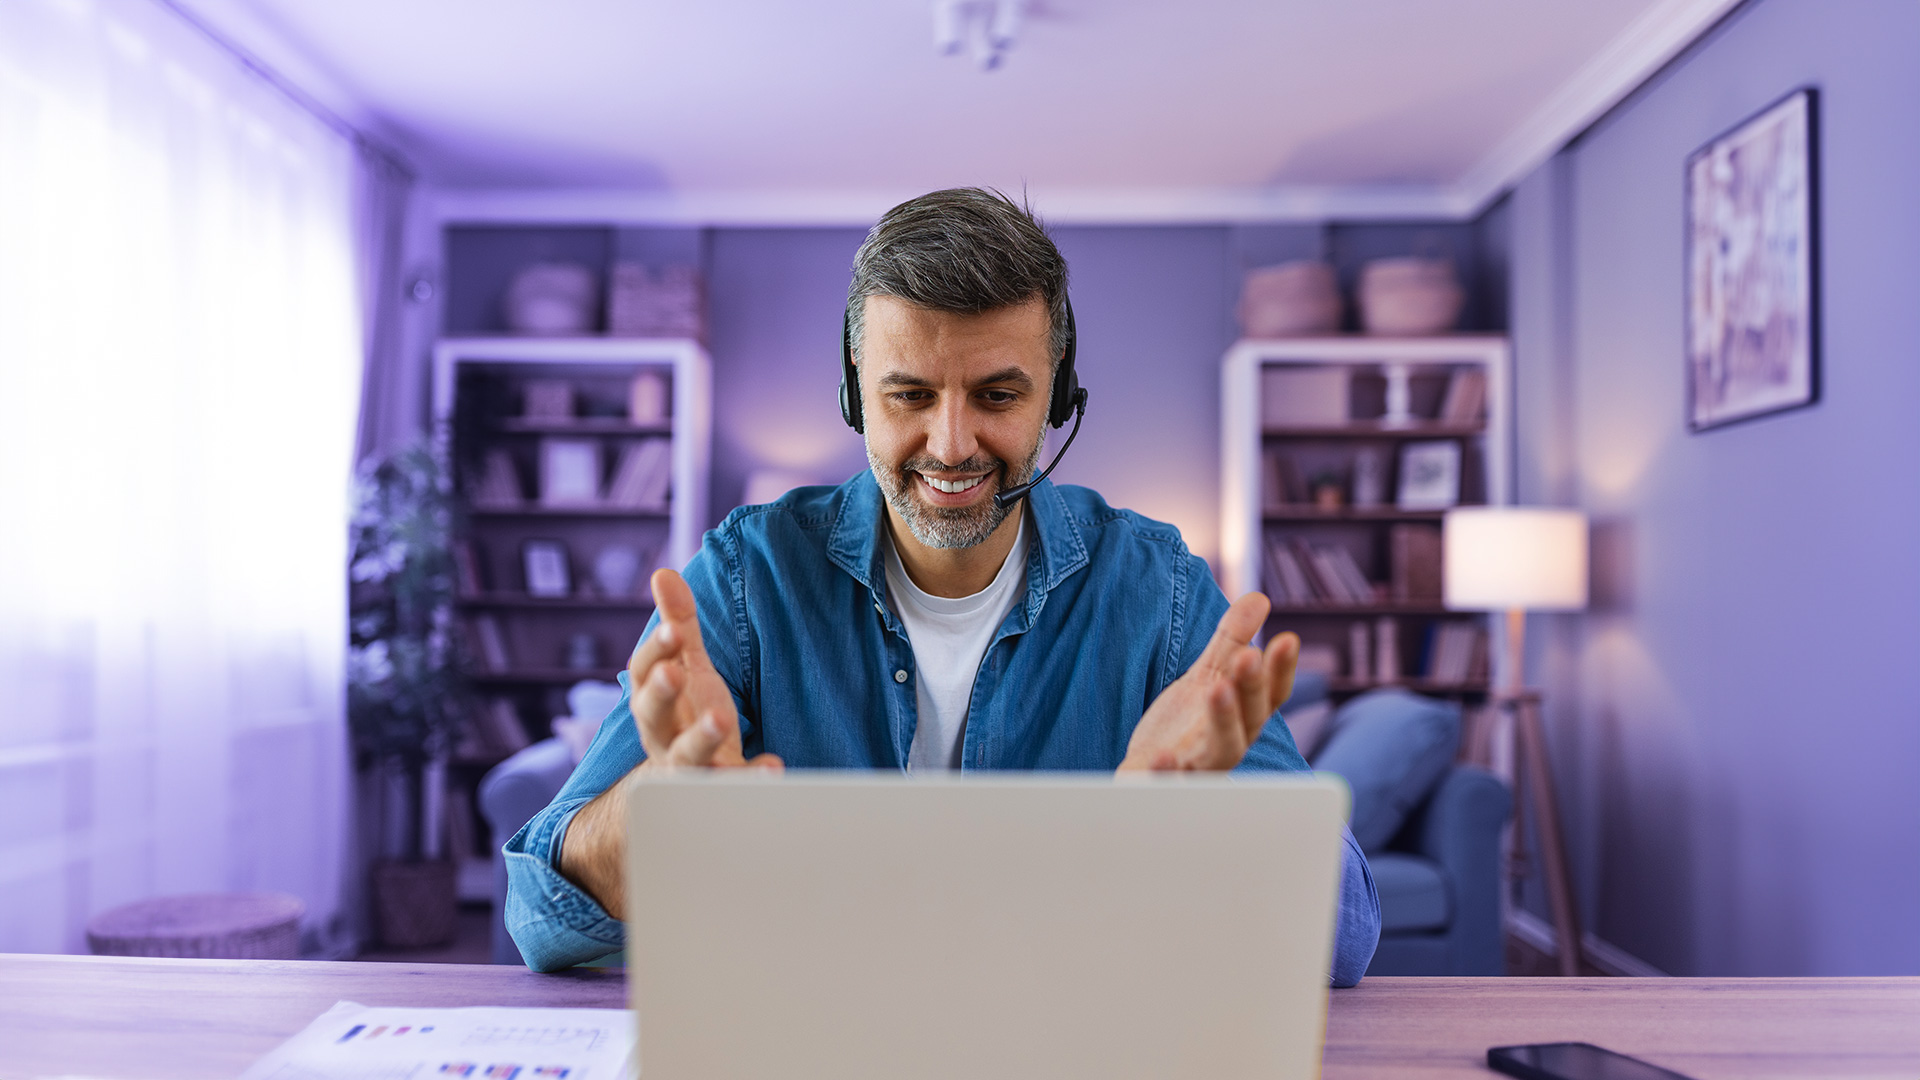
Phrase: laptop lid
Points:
(854, 926)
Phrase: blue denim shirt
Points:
(794, 614)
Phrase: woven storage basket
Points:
(221, 926)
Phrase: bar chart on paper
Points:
(356, 1042)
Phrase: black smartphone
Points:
(1572, 1061)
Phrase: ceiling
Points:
(744, 110)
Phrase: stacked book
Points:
(1466, 400)
(643, 478)
(1456, 653)
(1314, 575)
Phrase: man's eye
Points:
(999, 397)
(912, 397)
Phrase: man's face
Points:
(955, 406)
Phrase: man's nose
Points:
(951, 438)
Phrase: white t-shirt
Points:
(949, 638)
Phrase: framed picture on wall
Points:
(1752, 333)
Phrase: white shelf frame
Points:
(1241, 512)
(692, 406)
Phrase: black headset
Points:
(1069, 398)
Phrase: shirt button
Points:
(900, 675)
(877, 609)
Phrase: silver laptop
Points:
(837, 926)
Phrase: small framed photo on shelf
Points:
(1429, 475)
(548, 575)
(1752, 339)
(569, 472)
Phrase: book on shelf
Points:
(1456, 653)
(1299, 574)
(498, 486)
(569, 472)
(1414, 560)
(1360, 652)
(1466, 400)
(1280, 481)
(1319, 658)
(1286, 580)
(644, 477)
(491, 643)
(502, 726)
(469, 570)
(1386, 649)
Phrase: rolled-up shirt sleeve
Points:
(553, 921)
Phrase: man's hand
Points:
(686, 719)
(683, 708)
(1210, 716)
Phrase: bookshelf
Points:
(1320, 440)
(555, 593)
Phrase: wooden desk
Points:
(116, 1019)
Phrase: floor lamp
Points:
(1520, 559)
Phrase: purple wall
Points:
(1737, 723)
(774, 298)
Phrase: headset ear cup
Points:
(849, 380)
(1066, 381)
(850, 408)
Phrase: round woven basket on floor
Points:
(223, 926)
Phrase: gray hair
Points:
(962, 250)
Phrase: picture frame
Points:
(1752, 267)
(569, 472)
(548, 574)
(1429, 475)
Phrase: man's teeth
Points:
(952, 487)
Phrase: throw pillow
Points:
(1392, 747)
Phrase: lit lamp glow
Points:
(1520, 559)
(1515, 559)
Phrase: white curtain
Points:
(180, 343)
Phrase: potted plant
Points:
(405, 693)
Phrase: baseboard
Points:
(1603, 955)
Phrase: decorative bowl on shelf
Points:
(1295, 299)
(1409, 296)
(552, 299)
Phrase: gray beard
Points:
(943, 526)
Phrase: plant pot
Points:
(415, 904)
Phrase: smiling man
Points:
(933, 612)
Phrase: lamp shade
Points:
(1502, 558)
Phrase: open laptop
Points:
(838, 926)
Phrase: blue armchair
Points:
(1430, 828)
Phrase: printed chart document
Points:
(355, 1042)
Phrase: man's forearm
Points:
(593, 849)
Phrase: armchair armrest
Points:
(1459, 828)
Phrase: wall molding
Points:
(1647, 44)
(1609, 958)
(1060, 206)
